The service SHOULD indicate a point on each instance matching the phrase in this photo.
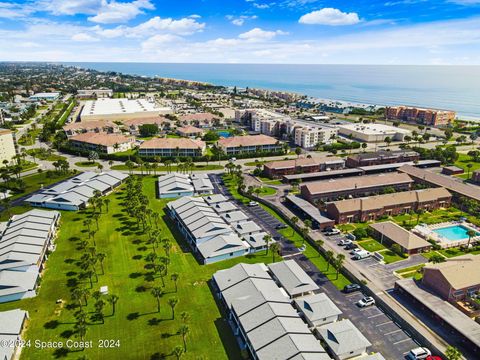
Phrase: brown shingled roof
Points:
(189, 130)
(285, 164)
(357, 182)
(399, 235)
(461, 272)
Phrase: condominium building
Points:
(262, 120)
(429, 117)
(91, 126)
(249, 144)
(276, 169)
(171, 147)
(7, 146)
(101, 142)
(329, 190)
(381, 157)
(307, 135)
(373, 207)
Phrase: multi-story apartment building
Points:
(7, 146)
(249, 144)
(253, 118)
(102, 142)
(171, 147)
(432, 117)
(381, 157)
(308, 136)
(356, 186)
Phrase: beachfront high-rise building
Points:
(7, 146)
(431, 117)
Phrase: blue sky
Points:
(242, 31)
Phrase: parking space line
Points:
(392, 332)
(372, 316)
(400, 341)
(385, 323)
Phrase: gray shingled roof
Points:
(11, 321)
(229, 277)
(221, 245)
(317, 307)
(292, 277)
(292, 345)
(343, 337)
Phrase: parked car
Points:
(354, 251)
(332, 232)
(253, 203)
(350, 288)
(351, 236)
(433, 358)
(344, 242)
(419, 353)
(366, 301)
(362, 254)
(351, 246)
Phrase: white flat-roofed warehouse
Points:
(121, 109)
(373, 132)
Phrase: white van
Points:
(362, 254)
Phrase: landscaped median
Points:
(312, 250)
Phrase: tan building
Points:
(7, 146)
(101, 142)
(390, 233)
(201, 120)
(134, 124)
(249, 144)
(427, 117)
(90, 126)
(370, 208)
(276, 169)
(455, 279)
(190, 131)
(329, 190)
(172, 147)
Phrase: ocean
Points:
(444, 87)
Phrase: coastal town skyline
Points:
(291, 32)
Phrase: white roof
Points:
(292, 277)
(119, 107)
(221, 245)
(343, 337)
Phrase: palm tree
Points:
(107, 202)
(339, 263)
(185, 316)
(174, 278)
(157, 294)
(173, 302)
(274, 248)
(112, 299)
(329, 257)
(419, 212)
(101, 257)
(471, 234)
(81, 330)
(469, 167)
(294, 220)
(184, 329)
(178, 352)
(267, 238)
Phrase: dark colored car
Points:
(350, 288)
(351, 246)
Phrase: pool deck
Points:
(428, 233)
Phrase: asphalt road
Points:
(385, 335)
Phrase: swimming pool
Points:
(224, 134)
(453, 233)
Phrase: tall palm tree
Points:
(184, 330)
(339, 263)
(267, 238)
(471, 234)
(294, 220)
(178, 352)
(274, 248)
(185, 316)
(173, 302)
(174, 278)
(329, 254)
(113, 299)
(101, 257)
(157, 294)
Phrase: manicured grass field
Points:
(267, 191)
(371, 245)
(463, 161)
(390, 257)
(143, 333)
(36, 181)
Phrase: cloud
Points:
(257, 34)
(329, 16)
(261, 6)
(116, 12)
(157, 41)
(240, 20)
(465, 2)
(83, 37)
(14, 11)
(70, 7)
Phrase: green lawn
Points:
(371, 245)
(43, 155)
(87, 164)
(463, 161)
(410, 269)
(267, 191)
(142, 331)
(390, 257)
(289, 233)
(37, 181)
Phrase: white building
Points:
(175, 185)
(372, 132)
(308, 134)
(45, 96)
(7, 146)
(98, 93)
(121, 109)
